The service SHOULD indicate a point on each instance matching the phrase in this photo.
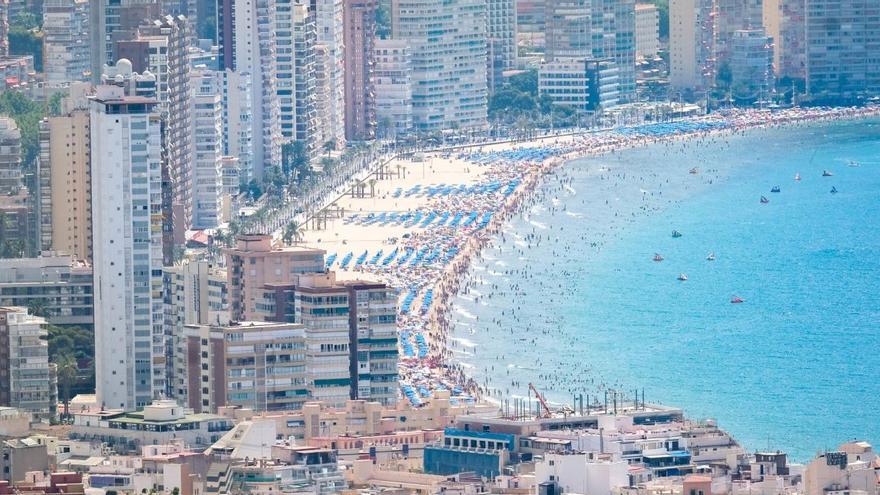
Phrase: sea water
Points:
(586, 308)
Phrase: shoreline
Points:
(436, 368)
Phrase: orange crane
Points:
(540, 398)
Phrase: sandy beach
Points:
(420, 223)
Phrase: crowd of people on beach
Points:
(429, 288)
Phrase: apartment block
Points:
(57, 286)
(26, 382)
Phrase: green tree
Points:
(292, 233)
(54, 105)
(66, 372)
(27, 114)
(329, 146)
(25, 38)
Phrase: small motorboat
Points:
(682, 276)
(657, 257)
(736, 300)
(853, 163)
(826, 173)
(710, 257)
(676, 234)
(833, 190)
(764, 200)
(694, 171)
(775, 189)
(797, 176)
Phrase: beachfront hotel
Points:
(448, 42)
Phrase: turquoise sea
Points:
(794, 367)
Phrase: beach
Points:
(422, 225)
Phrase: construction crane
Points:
(540, 398)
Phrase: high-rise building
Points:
(238, 128)
(329, 28)
(254, 263)
(647, 30)
(130, 346)
(731, 16)
(530, 15)
(501, 32)
(841, 48)
(246, 30)
(257, 365)
(4, 28)
(178, 140)
(392, 82)
(691, 44)
(351, 338)
(784, 21)
(751, 64)
(594, 29)
(25, 379)
(207, 133)
(583, 85)
(306, 128)
(568, 32)
(614, 38)
(360, 33)
(194, 294)
(296, 40)
(10, 157)
(63, 168)
(114, 21)
(66, 48)
(57, 285)
(447, 39)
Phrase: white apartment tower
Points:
(448, 45)
(502, 39)
(207, 136)
(254, 57)
(66, 48)
(329, 24)
(691, 44)
(127, 243)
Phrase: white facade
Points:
(254, 57)
(583, 472)
(208, 146)
(448, 40)
(66, 49)
(647, 30)
(691, 43)
(127, 243)
(502, 39)
(392, 82)
(329, 23)
(31, 388)
(238, 125)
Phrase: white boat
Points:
(710, 257)
(797, 176)
(682, 277)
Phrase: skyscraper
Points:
(329, 26)
(448, 45)
(784, 21)
(502, 40)
(207, 121)
(127, 240)
(65, 176)
(841, 48)
(691, 44)
(66, 49)
(246, 30)
(121, 17)
(360, 33)
(392, 82)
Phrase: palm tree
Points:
(66, 372)
(292, 233)
(372, 183)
